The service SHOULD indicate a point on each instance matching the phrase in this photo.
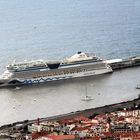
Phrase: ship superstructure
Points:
(39, 71)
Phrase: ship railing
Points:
(30, 63)
(16, 67)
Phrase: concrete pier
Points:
(124, 63)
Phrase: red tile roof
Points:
(81, 118)
(79, 128)
(39, 134)
(91, 138)
(61, 137)
(134, 135)
(100, 116)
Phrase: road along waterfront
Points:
(130, 105)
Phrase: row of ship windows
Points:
(53, 73)
(59, 73)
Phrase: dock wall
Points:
(125, 63)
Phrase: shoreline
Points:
(86, 113)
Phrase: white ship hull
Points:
(37, 72)
(63, 77)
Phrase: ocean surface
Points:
(53, 29)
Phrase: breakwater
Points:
(124, 63)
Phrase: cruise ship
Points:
(39, 71)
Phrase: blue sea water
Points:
(53, 29)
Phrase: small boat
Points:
(35, 100)
(138, 86)
(17, 88)
(87, 98)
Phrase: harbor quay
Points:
(120, 120)
(124, 63)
